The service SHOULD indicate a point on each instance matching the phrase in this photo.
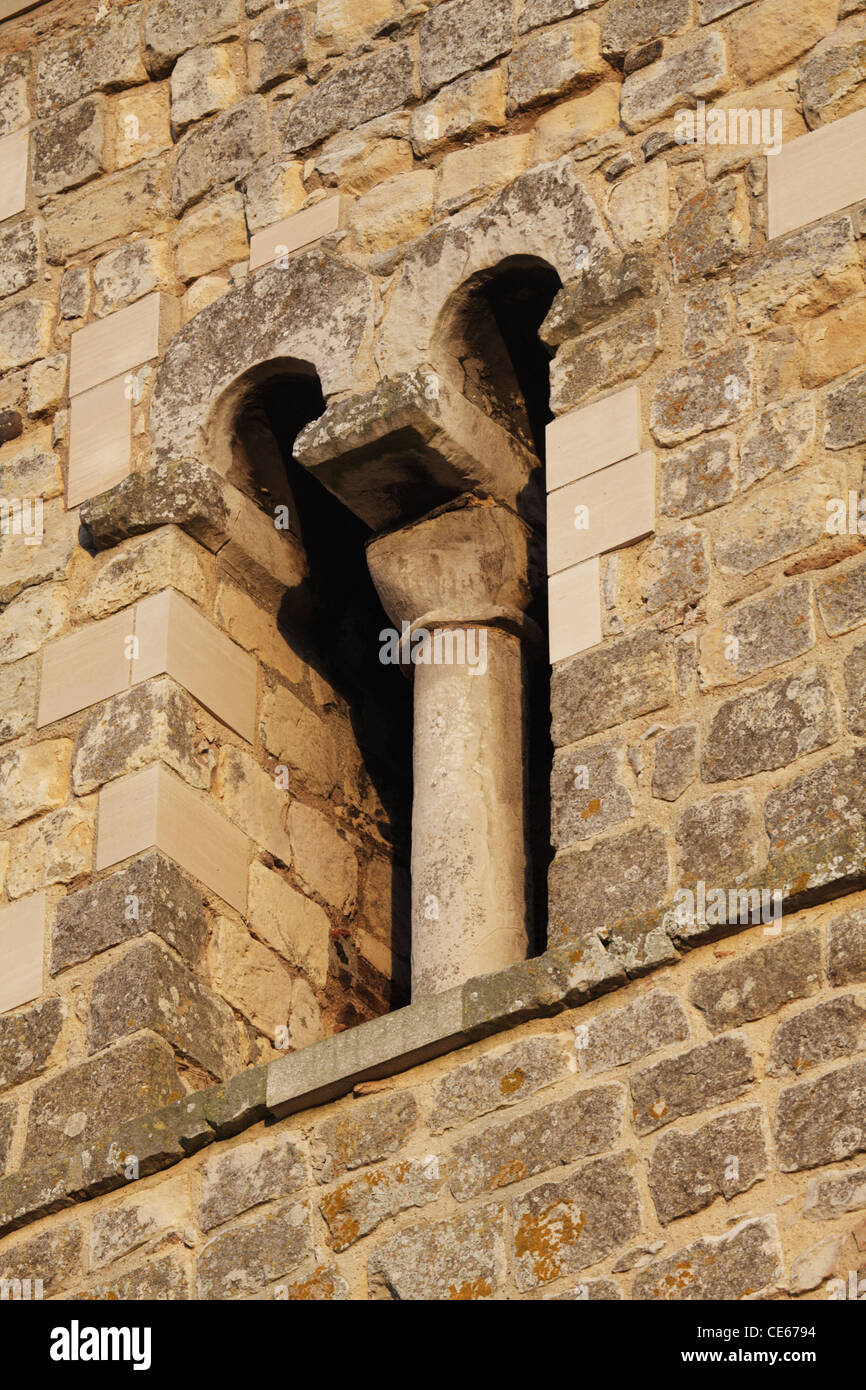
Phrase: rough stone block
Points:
(717, 840)
(766, 37)
(697, 69)
(708, 1075)
(154, 721)
(553, 63)
(462, 1258)
(350, 96)
(780, 438)
(611, 685)
(100, 57)
(460, 36)
(53, 1256)
(676, 762)
(845, 414)
(235, 1180)
(68, 149)
(247, 1258)
(561, 1228)
(581, 1125)
(25, 332)
(203, 82)
(835, 1194)
(299, 738)
(394, 211)
(846, 948)
(758, 634)
(767, 728)
(136, 1220)
(225, 149)
(836, 1028)
(588, 792)
(709, 318)
(17, 698)
(19, 258)
(83, 1102)
(173, 26)
(362, 1133)
(604, 888)
(14, 102)
(357, 1207)
(674, 571)
(538, 12)
(842, 599)
(27, 1040)
(761, 982)
(822, 1121)
(53, 849)
(630, 23)
(8, 1114)
(686, 1172)
(597, 360)
(127, 202)
(707, 394)
(815, 824)
(619, 1036)
(831, 75)
(736, 1265)
(854, 669)
(698, 478)
(712, 229)
(211, 235)
(276, 48)
(251, 798)
(470, 106)
(295, 927)
(33, 780)
(475, 173)
(505, 1076)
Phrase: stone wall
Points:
(200, 867)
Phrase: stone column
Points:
(455, 584)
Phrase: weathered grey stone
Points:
(136, 1220)
(246, 1258)
(553, 63)
(604, 888)
(324, 1285)
(762, 288)
(675, 570)
(699, 477)
(709, 318)
(364, 1133)
(538, 12)
(235, 1180)
(101, 57)
(502, 1077)
(780, 438)
(620, 1036)
(14, 103)
(707, 394)
(67, 150)
(75, 292)
(835, 1194)
(25, 332)
(822, 1121)
(277, 48)
(148, 988)
(717, 840)
(150, 895)
(129, 273)
(842, 599)
(163, 1278)
(588, 793)
(153, 721)
(17, 698)
(733, 1266)
(618, 351)
(708, 1075)
(815, 825)
(350, 96)
(225, 149)
(760, 982)
(767, 728)
(19, 263)
(53, 1256)
(836, 1028)
(609, 284)
(457, 37)
(185, 494)
(831, 72)
(589, 1290)
(561, 1228)
(686, 1172)
(173, 26)
(360, 1205)
(629, 23)
(676, 762)
(846, 948)
(697, 69)
(845, 414)
(787, 515)
(711, 230)
(758, 634)
(8, 1114)
(84, 1101)
(27, 1040)
(855, 688)
(460, 1259)
(611, 685)
(320, 310)
(581, 1125)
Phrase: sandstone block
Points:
(767, 728)
(675, 570)
(17, 698)
(470, 106)
(350, 96)
(135, 1221)
(676, 762)
(251, 798)
(708, 1075)
(276, 49)
(323, 861)
(83, 1102)
(815, 822)
(711, 229)
(75, 292)
(538, 12)
(25, 332)
(53, 1256)
(561, 1228)
(14, 101)
(295, 927)
(830, 79)
(68, 149)
(854, 669)
(468, 175)
(299, 738)
(102, 57)
(697, 69)
(834, 343)
(504, 1076)
(779, 439)
(273, 193)
(210, 236)
(128, 202)
(144, 565)
(802, 274)
(461, 1258)
(248, 1257)
(707, 394)
(709, 315)
(54, 849)
(717, 840)
(150, 895)
(618, 351)
(33, 780)
(845, 414)
(842, 599)
(142, 125)
(173, 26)
(835, 1194)
(758, 634)
(760, 982)
(8, 1114)
(686, 1172)
(361, 1133)
(639, 209)
(588, 793)
(574, 122)
(768, 36)
(203, 82)
(822, 1121)
(252, 978)
(19, 257)
(553, 63)
(397, 210)
(163, 1277)
(698, 478)
(46, 384)
(225, 149)
(32, 620)
(782, 518)
(154, 721)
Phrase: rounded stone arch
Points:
(318, 315)
(544, 216)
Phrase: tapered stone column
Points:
(455, 585)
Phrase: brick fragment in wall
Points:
(708, 1075)
(502, 1077)
(729, 1154)
(462, 1258)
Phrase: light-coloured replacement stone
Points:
(120, 341)
(153, 809)
(100, 439)
(817, 174)
(87, 666)
(175, 639)
(297, 232)
(589, 439)
(14, 150)
(574, 599)
(22, 927)
(606, 509)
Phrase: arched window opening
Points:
(335, 625)
(489, 345)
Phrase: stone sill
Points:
(560, 979)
